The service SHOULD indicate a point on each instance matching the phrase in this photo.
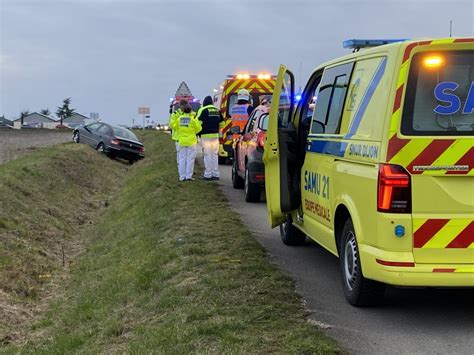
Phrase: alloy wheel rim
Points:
(350, 261)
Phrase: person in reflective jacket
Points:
(174, 115)
(210, 117)
(186, 126)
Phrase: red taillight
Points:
(261, 139)
(394, 189)
(141, 149)
(395, 263)
(115, 142)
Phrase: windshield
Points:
(263, 123)
(440, 94)
(124, 133)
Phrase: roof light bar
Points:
(366, 43)
(251, 76)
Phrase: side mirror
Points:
(235, 130)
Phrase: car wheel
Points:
(101, 148)
(237, 181)
(76, 137)
(222, 160)
(358, 290)
(252, 190)
(290, 235)
(131, 161)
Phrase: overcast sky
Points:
(113, 56)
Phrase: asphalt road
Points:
(410, 321)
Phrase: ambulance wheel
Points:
(237, 181)
(221, 160)
(358, 290)
(252, 190)
(290, 235)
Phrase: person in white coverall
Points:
(210, 117)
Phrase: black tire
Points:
(101, 148)
(131, 161)
(76, 137)
(221, 160)
(358, 290)
(237, 181)
(290, 235)
(252, 190)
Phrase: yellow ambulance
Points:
(375, 162)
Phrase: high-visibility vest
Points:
(187, 126)
(239, 112)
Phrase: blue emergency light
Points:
(365, 43)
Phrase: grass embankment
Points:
(47, 200)
(171, 269)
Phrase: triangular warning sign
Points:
(183, 90)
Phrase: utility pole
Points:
(450, 28)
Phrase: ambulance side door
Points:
(325, 146)
(282, 191)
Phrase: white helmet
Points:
(243, 94)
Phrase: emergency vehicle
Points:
(225, 96)
(381, 171)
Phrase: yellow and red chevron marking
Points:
(411, 153)
(424, 151)
(258, 85)
(443, 233)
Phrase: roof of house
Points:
(36, 113)
(75, 114)
(4, 120)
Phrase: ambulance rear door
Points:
(435, 145)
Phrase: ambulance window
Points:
(330, 99)
(286, 101)
(439, 97)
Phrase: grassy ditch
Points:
(169, 268)
(47, 200)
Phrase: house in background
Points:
(77, 119)
(4, 123)
(36, 120)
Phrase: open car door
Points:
(281, 178)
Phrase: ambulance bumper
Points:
(399, 269)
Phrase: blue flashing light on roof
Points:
(364, 43)
(298, 97)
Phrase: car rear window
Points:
(439, 97)
(124, 133)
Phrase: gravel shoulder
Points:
(15, 143)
